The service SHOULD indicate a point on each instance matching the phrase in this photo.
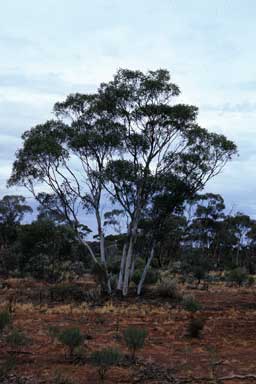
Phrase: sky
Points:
(51, 48)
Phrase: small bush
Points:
(6, 367)
(238, 276)
(71, 338)
(134, 339)
(190, 304)
(195, 327)
(104, 359)
(60, 379)
(151, 276)
(5, 319)
(53, 332)
(250, 281)
(17, 339)
(67, 292)
(168, 289)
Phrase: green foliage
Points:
(151, 277)
(251, 281)
(67, 292)
(17, 339)
(135, 339)
(238, 276)
(71, 338)
(104, 359)
(53, 332)
(164, 151)
(6, 367)
(195, 327)
(44, 247)
(167, 288)
(5, 319)
(61, 379)
(199, 272)
(190, 304)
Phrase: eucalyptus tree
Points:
(68, 155)
(128, 141)
(163, 148)
(207, 224)
(240, 226)
(12, 211)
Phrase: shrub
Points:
(251, 281)
(17, 339)
(195, 327)
(6, 367)
(60, 379)
(151, 276)
(67, 292)
(104, 359)
(5, 319)
(53, 332)
(71, 338)
(134, 339)
(199, 272)
(238, 276)
(168, 289)
(190, 304)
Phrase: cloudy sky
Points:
(51, 48)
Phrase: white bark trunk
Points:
(121, 272)
(128, 267)
(102, 251)
(145, 271)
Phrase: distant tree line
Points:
(129, 144)
(199, 238)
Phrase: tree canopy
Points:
(129, 143)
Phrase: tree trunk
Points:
(102, 239)
(121, 272)
(127, 269)
(132, 237)
(102, 251)
(145, 271)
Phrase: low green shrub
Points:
(53, 332)
(251, 281)
(237, 276)
(6, 367)
(5, 319)
(104, 359)
(190, 304)
(60, 379)
(67, 292)
(168, 288)
(152, 276)
(134, 339)
(17, 339)
(195, 327)
(71, 338)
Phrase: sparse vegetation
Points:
(5, 319)
(17, 339)
(238, 276)
(104, 359)
(128, 143)
(190, 304)
(168, 288)
(195, 327)
(135, 339)
(71, 338)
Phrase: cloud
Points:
(48, 51)
(244, 107)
